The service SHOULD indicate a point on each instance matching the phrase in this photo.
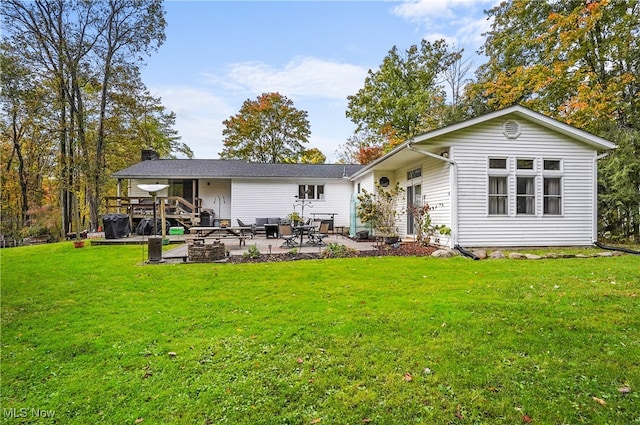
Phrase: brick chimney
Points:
(149, 155)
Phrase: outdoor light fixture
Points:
(155, 242)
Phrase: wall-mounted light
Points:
(445, 154)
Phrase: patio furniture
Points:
(249, 226)
(286, 232)
(323, 232)
(262, 222)
(271, 230)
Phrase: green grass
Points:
(87, 333)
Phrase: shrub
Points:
(253, 252)
(335, 250)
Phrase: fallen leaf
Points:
(459, 414)
(172, 354)
(316, 421)
(366, 420)
(526, 419)
(299, 360)
(624, 390)
(139, 420)
(599, 401)
(408, 377)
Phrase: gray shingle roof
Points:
(218, 168)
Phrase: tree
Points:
(361, 148)
(380, 209)
(25, 149)
(131, 28)
(404, 97)
(577, 61)
(268, 129)
(313, 156)
(87, 51)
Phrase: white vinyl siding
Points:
(135, 191)
(276, 198)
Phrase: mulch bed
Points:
(405, 249)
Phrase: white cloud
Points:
(417, 10)
(459, 22)
(300, 77)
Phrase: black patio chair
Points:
(285, 230)
(316, 238)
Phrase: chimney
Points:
(149, 155)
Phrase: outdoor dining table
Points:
(303, 229)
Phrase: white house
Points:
(233, 189)
(509, 178)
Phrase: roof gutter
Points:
(453, 175)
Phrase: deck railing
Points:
(176, 207)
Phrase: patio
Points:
(264, 245)
(275, 246)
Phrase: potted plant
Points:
(294, 218)
(379, 210)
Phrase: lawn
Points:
(92, 336)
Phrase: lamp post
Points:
(155, 242)
(302, 202)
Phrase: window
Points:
(310, 191)
(538, 182)
(498, 163)
(552, 196)
(498, 196)
(413, 174)
(525, 195)
(498, 186)
(524, 164)
(551, 165)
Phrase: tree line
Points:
(74, 108)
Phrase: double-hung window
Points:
(552, 182)
(311, 191)
(498, 186)
(525, 187)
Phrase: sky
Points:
(218, 54)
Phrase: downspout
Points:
(594, 235)
(453, 174)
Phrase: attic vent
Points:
(511, 129)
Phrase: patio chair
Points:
(243, 224)
(286, 232)
(317, 237)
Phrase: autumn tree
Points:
(25, 146)
(576, 61)
(269, 129)
(84, 52)
(361, 148)
(405, 96)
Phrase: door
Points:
(186, 189)
(414, 197)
